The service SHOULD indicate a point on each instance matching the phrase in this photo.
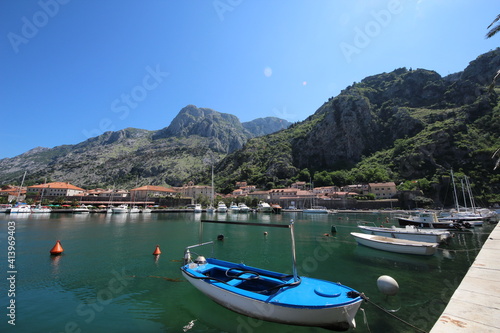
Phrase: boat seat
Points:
(218, 273)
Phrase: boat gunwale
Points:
(227, 287)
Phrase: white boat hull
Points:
(315, 211)
(429, 236)
(395, 245)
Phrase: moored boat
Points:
(20, 208)
(197, 208)
(410, 232)
(243, 208)
(395, 245)
(221, 207)
(4, 208)
(81, 209)
(316, 210)
(134, 210)
(120, 209)
(273, 296)
(40, 209)
(234, 208)
(423, 219)
(264, 207)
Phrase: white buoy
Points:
(387, 285)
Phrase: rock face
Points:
(169, 156)
(413, 122)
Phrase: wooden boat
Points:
(395, 245)
(273, 296)
(409, 232)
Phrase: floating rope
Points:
(363, 296)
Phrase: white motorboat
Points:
(40, 209)
(264, 207)
(134, 210)
(81, 209)
(120, 209)
(243, 208)
(19, 208)
(234, 208)
(316, 210)
(5, 208)
(272, 296)
(221, 207)
(395, 245)
(423, 219)
(198, 208)
(409, 232)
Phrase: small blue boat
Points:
(273, 296)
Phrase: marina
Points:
(107, 280)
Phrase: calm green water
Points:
(107, 280)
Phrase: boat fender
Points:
(387, 285)
(200, 260)
(187, 256)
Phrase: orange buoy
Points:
(157, 251)
(57, 249)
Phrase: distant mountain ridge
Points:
(405, 125)
(167, 156)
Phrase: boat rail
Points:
(187, 252)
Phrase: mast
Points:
(212, 198)
(455, 191)
(22, 183)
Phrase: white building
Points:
(56, 189)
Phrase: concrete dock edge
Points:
(475, 304)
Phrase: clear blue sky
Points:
(70, 70)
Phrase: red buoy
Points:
(57, 249)
(157, 251)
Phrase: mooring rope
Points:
(363, 296)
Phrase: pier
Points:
(475, 305)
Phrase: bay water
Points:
(107, 279)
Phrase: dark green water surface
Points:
(107, 280)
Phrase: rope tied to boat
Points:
(367, 300)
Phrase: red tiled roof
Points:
(58, 185)
(153, 188)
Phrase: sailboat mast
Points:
(463, 194)
(454, 190)
(22, 183)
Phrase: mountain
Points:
(172, 155)
(410, 126)
(398, 126)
